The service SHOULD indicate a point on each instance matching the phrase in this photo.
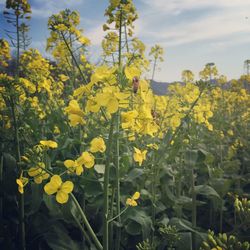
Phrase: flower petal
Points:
(62, 197)
(69, 163)
(67, 187)
(136, 196)
(56, 181)
(50, 189)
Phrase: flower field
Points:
(92, 159)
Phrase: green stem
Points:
(21, 196)
(111, 226)
(18, 44)
(73, 58)
(86, 223)
(154, 69)
(1, 182)
(82, 230)
(120, 39)
(118, 199)
(106, 187)
(221, 216)
(153, 187)
(194, 208)
(118, 215)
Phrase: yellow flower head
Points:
(49, 143)
(73, 166)
(97, 145)
(86, 159)
(74, 108)
(139, 156)
(132, 201)
(38, 173)
(62, 189)
(153, 146)
(22, 182)
(131, 72)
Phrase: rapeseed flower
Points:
(49, 144)
(132, 201)
(62, 189)
(139, 156)
(97, 145)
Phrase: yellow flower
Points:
(101, 73)
(74, 120)
(49, 143)
(62, 189)
(132, 201)
(63, 77)
(57, 130)
(128, 119)
(75, 113)
(153, 146)
(74, 108)
(86, 159)
(74, 166)
(131, 72)
(38, 173)
(22, 182)
(110, 98)
(97, 145)
(92, 105)
(139, 156)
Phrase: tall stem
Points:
(117, 163)
(73, 58)
(18, 44)
(154, 67)
(194, 209)
(120, 39)
(18, 158)
(106, 187)
(86, 223)
(117, 143)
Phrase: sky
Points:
(192, 32)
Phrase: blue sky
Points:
(192, 32)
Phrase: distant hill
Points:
(159, 88)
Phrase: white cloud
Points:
(95, 35)
(181, 5)
(230, 19)
(45, 8)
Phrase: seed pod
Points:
(245, 246)
(205, 246)
(211, 240)
(224, 238)
(136, 83)
(219, 242)
(231, 239)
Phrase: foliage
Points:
(91, 158)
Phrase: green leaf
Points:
(133, 174)
(185, 242)
(35, 198)
(133, 228)
(138, 215)
(191, 157)
(58, 238)
(206, 191)
(91, 187)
